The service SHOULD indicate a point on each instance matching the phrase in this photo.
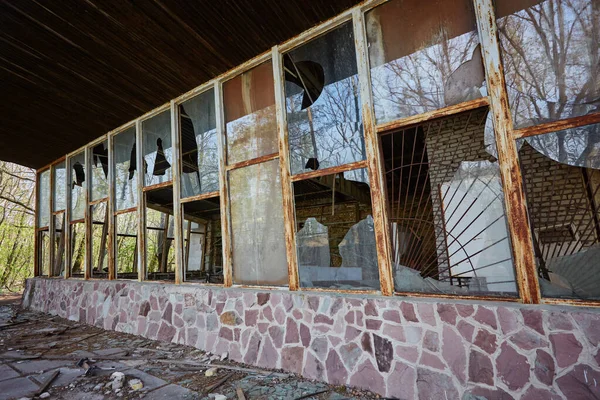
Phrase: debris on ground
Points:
(43, 355)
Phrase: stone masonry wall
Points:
(398, 347)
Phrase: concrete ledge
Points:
(398, 347)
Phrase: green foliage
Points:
(17, 196)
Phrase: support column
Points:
(223, 188)
(289, 218)
(141, 207)
(374, 161)
(510, 173)
(177, 210)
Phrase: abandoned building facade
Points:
(401, 203)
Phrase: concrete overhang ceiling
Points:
(72, 70)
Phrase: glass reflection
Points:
(249, 102)
(43, 199)
(561, 176)
(59, 191)
(323, 104)
(550, 51)
(126, 177)
(77, 184)
(158, 155)
(199, 146)
(99, 177)
(424, 55)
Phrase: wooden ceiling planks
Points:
(72, 70)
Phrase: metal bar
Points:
(428, 116)
(141, 206)
(329, 171)
(87, 214)
(374, 161)
(177, 207)
(510, 173)
(287, 190)
(253, 161)
(554, 126)
(223, 188)
(202, 196)
(110, 206)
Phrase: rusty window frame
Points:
(505, 137)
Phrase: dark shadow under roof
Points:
(72, 70)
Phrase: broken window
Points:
(561, 178)
(77, 185)
(158, 155)
(335, 236)
(160, 261)
(126, 225)
(124, 148)
(59, 190)
(43, 199)
(199, 145)
(424, 55)
(249, 102)
(203, 250)
(448, 226)
(58, 265)
(99, 240)
(550, 52)
(44, 252)
(257, 231)
(99, 174)
(322, 102)
(77, 249)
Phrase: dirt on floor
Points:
(34, 346)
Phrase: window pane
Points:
(77, 249)
(99, 240)
(424, 55)
(58, 266)
(259, 256)
(199, 146)
(43, 199)
(59, 191)
(126, 245)
(249, 102)
(99, 176)
(446, 202)
(550, 53)
(160, 259)
(126, 177)
(322, 101)
(335, 236)
(203, 255)
(77, 185)
(561, 175)
(44, 252)
(158, 156)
